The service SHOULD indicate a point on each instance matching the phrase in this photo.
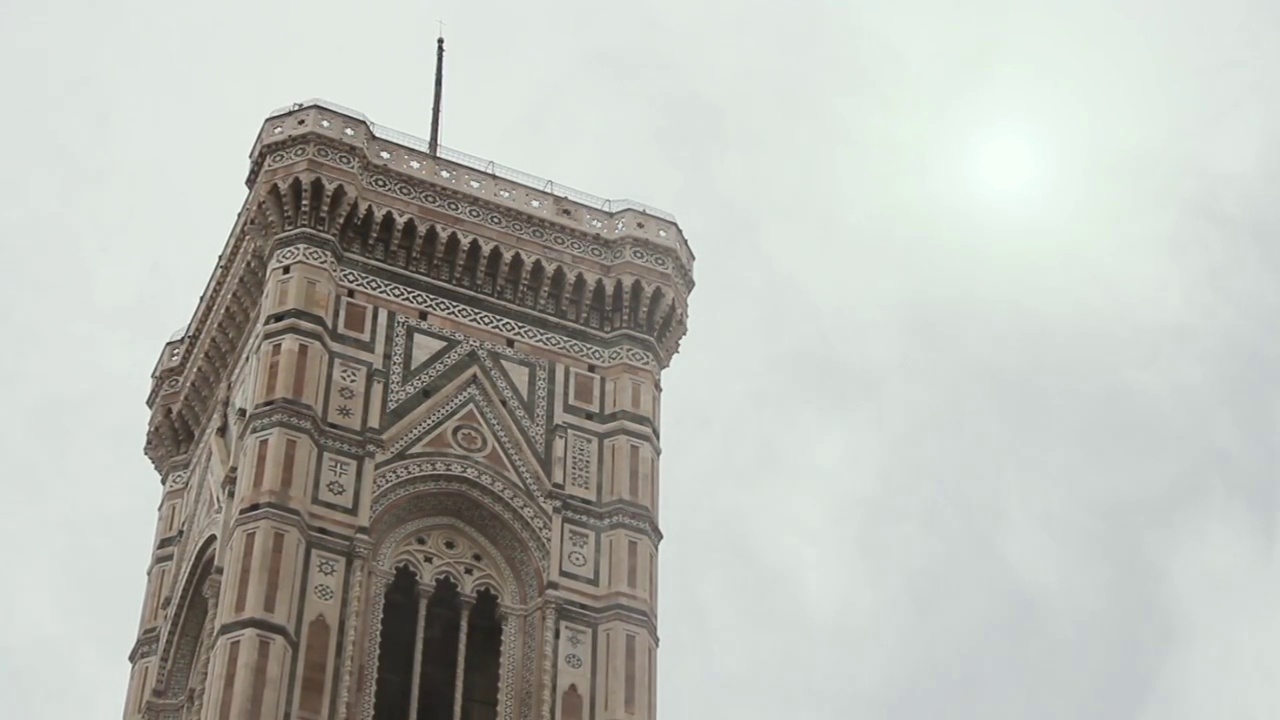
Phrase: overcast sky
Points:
(977, 412)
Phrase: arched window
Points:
(484, 649)
(188, 661)
(315, 666)
(396, 647)
(188, 648)
(440, 651)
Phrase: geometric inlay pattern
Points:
(337, 480)
(401, 388)
(587, 352)
(644, 525)
(346, 395)
(576, 659)
(578, 552)
(324, 592)
(307, 254)
(573, 636)
(307, 423)
(582, 460)
(472, 393)
(177, 480)
(469, 439)
(511, 328)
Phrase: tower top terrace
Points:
(591, 214)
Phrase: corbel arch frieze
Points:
(340, 198)
(584, 246)
(568, 290)
(555, 248)
(300, 200)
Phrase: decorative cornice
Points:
(617, 518)
(397, 189)
(375, 146)
(301, 420)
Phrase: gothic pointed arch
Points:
(616, 305)
(449, 261)
(634, 305)
(511, 289)
(295, 198)
(571, 704)
(489, 282)
(342, 203)
(398, 625)
(409, 238)
(515, 546)
(524, 522)
(471, 265)
(314, 202)
(187, 637)
(425, 261)
(596, 311)
(465, 572)
(577, 299)
(378, 245)
(533, 287)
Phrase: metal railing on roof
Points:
(485, 166)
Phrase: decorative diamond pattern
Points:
(473, 393)
(400, 389)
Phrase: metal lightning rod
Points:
(435, 105)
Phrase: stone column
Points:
(378, 584)
(416, 681)
(360, 555)
(548, 655)
(508, 652)
(461, 673)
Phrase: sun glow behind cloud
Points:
(1007, 169)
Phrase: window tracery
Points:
(440, 538)
(441, 630)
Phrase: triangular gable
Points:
(465, 434)
(466, 422)
(422, 352)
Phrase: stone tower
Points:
(409, 444)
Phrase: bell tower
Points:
(409, 444)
